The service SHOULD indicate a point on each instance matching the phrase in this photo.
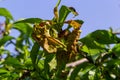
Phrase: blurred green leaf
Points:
(116, 49)
(5, 39)
(34, 52)
(4, 72)
(63, 13)
(25, 34)
(91, 43)
(112, 62)
(3, 51)
(104, 37)
(81, 70)
(28, 63)
(4, 12)
(12, 62)
(29, 20)
(79, 21)
(41, 64)
(92, 47)
(48, 59)
(72, 9)
(23, 28)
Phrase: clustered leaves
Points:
(45, 50)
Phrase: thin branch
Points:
(73, 64)
(117, 33)
(58, 3)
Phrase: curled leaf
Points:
(41, 34)
(4, 12)
(50, 48)
(55, 41)
(74, 24)
(73, 11)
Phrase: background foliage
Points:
(97, 56)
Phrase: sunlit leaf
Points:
(23, 28)
(4, 12)
(4, 72)
(29, 20)
(104, 37)
(91, 43)
(92, 47)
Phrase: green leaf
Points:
(63, 13)
(4, 12)
(3, 51)
(4, 72)
(104, 37)
(12, 62)
(29, 20)
(113, 62)
(72, 9)
(92, 47)
(79, 21)
(24, 28)
(28, 63)
(83, 69)
(116, 49)
(34, 52)
(5, 39)
(91, 43)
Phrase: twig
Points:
(117, 33)
(73, 64)
(58, 3)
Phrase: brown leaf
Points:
(74, 24)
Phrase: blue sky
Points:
(97, 14)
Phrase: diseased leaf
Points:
(29, 20)
(56, 13)
(74, 24)
(4, 12)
